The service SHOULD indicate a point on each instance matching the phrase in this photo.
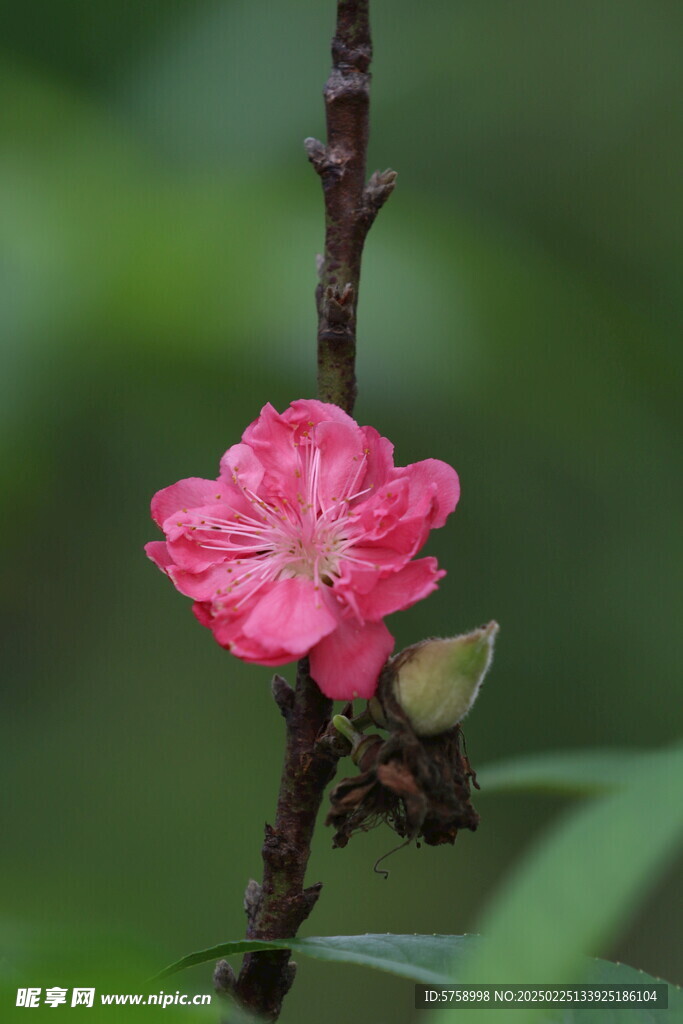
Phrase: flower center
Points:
(315, 557)
(282, 539)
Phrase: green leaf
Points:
(573, 892)
(574, 772)
(603, 972)
(437, 959)
(427, 958)
(432, 959)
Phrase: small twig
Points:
(351, 205)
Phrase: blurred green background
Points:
(520, 317)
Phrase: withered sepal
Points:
(419, 786)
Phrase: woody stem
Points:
(351, 204)
(277, 908)
(280, 904)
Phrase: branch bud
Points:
(437, 681)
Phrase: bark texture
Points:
(351, 204)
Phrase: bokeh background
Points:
(520, 317)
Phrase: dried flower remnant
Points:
(418, 785)
(305, 542)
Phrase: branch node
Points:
(276, 850)
(377, 191)
(338, 314)
(316, 151)
(346, 83)
(349, 57)
(338, 306)
(283, 695)
(224, 980)
(330, 163)
(252, 899)
(331, 744)
(288, 976)
(310, 897)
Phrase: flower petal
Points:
(407, 536)
(291, 616)
(158, 552)
(382, 509)
(201, 586)
(272, 439)
(241, 466)
(201, 537)
(308, 412)
(380, 453)
(188, 493)
(400, 590)
(227, 631)
(347, 663)
(342, 462)
(432, 477)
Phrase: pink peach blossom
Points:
(305, 542)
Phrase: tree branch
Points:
(351, 205)
(277, 908)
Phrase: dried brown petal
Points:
(419, 786)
